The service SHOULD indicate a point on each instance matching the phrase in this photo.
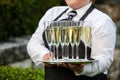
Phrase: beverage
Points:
(72, 34)
(56, 35)
(63, 36)
(78, 37)
(69, 34)
(86, 33)
(77, 34)
(48, 35)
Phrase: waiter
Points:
(103, 42)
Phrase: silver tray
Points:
(74, 61)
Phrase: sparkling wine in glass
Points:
(56, 36)
(48, 32)
(63, 38)
(77, 37)
(86, 32)
(71, 33)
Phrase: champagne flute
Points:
(86, 30)
(56, 33)
(48, 32)
(63, 25)
(70, 35)
(77, 34)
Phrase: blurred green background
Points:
(20, 17)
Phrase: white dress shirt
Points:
(103, 38)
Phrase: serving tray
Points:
(73, 61)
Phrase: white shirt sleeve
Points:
(35, 47)
(103, 44)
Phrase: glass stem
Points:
(54, 52)
(57, 55)
(51, 58)
(67, 52)
(86, 52)
(63, 56)
(77, 56)
(72, 51)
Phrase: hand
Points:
(63, 65)
(47, 57)
(77, 68)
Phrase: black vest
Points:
(61, 73)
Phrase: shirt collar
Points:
(80, 11)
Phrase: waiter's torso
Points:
(61, 73)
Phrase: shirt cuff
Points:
(85, 69)
(77, 74)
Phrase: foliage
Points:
(21, 17)
(15, 73)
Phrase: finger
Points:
(71, 65)
(49, 65)
(76, 67)
(46, 64)
(46, 56)
(52, 55)
(82, 65)
(79, 69)
(59, 64)
(65, 65)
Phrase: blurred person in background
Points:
(103, 43)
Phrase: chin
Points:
(73, 7)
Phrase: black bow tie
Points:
(71, 14)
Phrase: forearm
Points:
(100, 66)
(36, 49)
